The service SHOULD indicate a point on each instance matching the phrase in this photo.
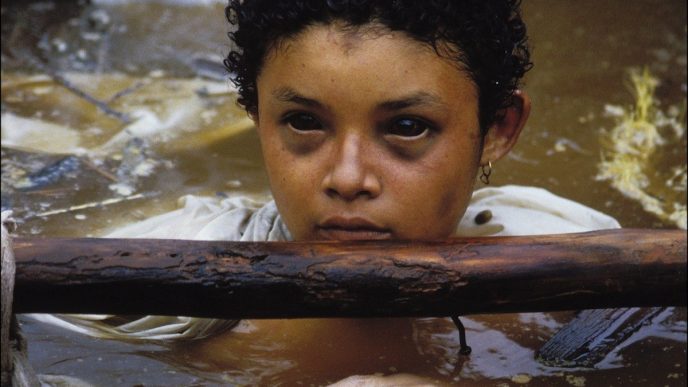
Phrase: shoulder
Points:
(520, 210)
(209, 218)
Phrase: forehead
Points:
(372, 52)
(351, 38)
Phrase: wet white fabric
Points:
(209, 218)
(519, 210)
(516, 210)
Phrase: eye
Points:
(409, 128)
(303, 122)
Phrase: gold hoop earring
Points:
(486, 172)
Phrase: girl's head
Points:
(375, 115)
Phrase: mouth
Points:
(338, 228)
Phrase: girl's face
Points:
(367, 135)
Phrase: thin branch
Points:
(100, 171)
(62, 81)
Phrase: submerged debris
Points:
(60, 79)
(211, 68)
(135, 161)
(630, 146)
(49, 175)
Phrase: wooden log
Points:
(613, 268)
(592, 335)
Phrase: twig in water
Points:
(101, 171)
(127, 90)
(48, 192)
(62, 81)
(90, 205)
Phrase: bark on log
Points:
(613, 268)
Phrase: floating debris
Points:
(563, 144)
(211, 68)
(157, 73)
(39, 135)
(521, 378)
(62, 80)
(122, 189)
(162, 110)
(136, 161)
(576, 381)
(234, 184)
(49, 175)
(630, 145)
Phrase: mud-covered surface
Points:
(112, 110)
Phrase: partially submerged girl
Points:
(375, 119)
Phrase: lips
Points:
(341, 228)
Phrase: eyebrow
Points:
(287, 94)
(419, 98)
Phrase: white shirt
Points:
(516, 210)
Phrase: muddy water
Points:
(155, 62)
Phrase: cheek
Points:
(276, 161)
(289, 183)
(291, 177)
(455, 189)
(285, 175)
(453, 202)
(443, 188)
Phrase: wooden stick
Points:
(613, 268)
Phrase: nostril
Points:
(346, 194)
(331, 192)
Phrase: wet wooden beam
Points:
(592, 335)
(605, 269)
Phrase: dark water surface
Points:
(159, 60)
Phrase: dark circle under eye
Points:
(408, 127)
(303, 121)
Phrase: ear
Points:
(502, 135)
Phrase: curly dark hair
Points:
(489, 34)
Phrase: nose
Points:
(350, 175)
